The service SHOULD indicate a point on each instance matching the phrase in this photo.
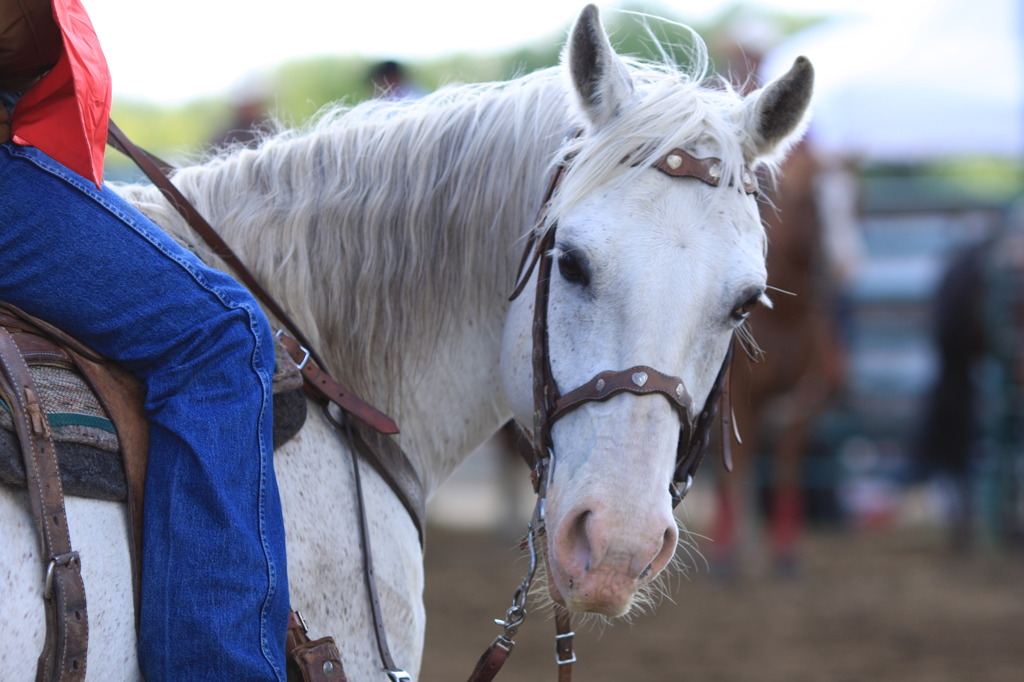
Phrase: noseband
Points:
(550, 405)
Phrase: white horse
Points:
(392, 233)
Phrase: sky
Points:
(171, 52)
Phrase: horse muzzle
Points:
(599, 557)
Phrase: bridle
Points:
(550, 404)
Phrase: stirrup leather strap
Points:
(67, 625)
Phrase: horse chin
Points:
(605, 593)
(609, 598)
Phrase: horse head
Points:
(650, 267)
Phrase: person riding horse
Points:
(214, 590)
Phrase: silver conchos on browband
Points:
(681, 164)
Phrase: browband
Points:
(681, 164)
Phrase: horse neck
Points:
(393, 243)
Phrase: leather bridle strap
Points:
(700, 436)
(67, 624)
(679, 163)
(544, 388)
(639, 380)
(564, 654)
(302, 352)
(533, 249)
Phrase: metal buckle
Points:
(59, 560)
(677, 494)
(686, 486)
(398, 676)
(506, 644)
(558, 655)
(305, 350)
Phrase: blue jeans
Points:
(214, 584)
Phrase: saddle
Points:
(85, 435)
(72, 423)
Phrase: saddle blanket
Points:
(88, 451)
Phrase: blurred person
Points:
(949, 424)
(250, 121)
(974, 410)
(390, 81)
(214, 594)
(747, 38)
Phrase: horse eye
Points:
(742, 311)
(573, 269)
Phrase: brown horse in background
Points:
(786, 378)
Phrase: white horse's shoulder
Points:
(325, 558)
(99, 533)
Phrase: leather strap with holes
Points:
(63, 657)
(564, 654)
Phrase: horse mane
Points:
(368, 223)
(378, 226)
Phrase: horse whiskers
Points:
(688, 544)
(595, 621)
(749, 344)
(691, 537)
(687, 559)
(684, 561)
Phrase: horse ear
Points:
(599, 77)
(775, 114)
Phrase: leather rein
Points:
(386, 457)
(550, 405)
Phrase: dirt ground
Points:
(867, 606)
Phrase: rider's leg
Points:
(214, 586)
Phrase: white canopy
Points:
(934, 79)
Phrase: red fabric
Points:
(65, 114)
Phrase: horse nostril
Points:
(573, 548)
(663, 555)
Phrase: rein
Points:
(298, 346)
(319, 657)
(551, 405)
